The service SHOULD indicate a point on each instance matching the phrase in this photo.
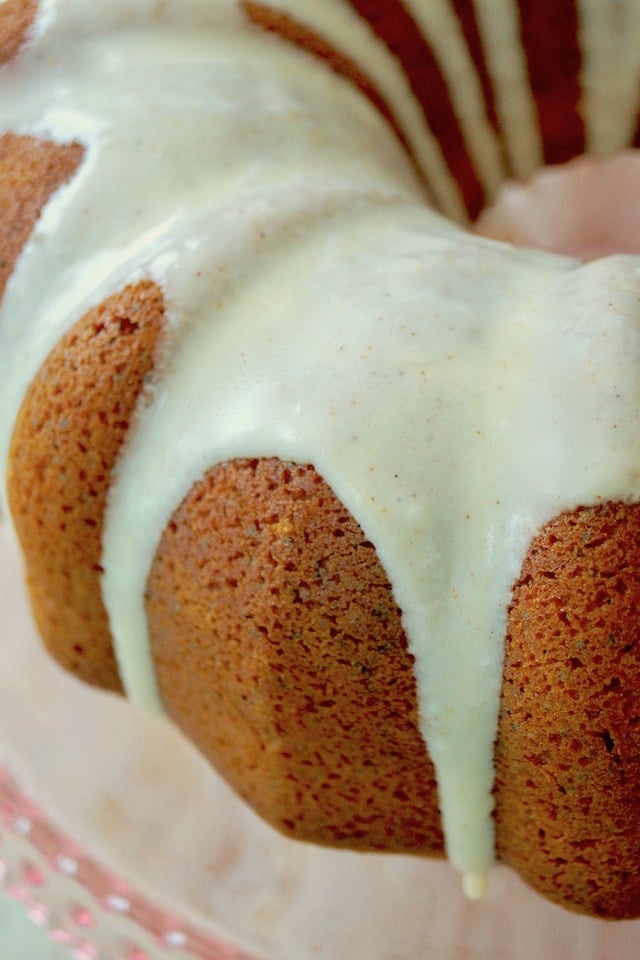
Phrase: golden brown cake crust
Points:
(279, 650)
(568, 751)
(16, 17)
(64, 447)
(259, 613)
(30, 172)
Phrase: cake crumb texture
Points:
(16, 17)
(568, 750)
(65, 444)
(30, 172)
(279, 650)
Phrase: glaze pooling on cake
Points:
(373, 322)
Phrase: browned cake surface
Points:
(75, 414)
(16, 16)
(568, 752)
(279, 650)
(65, 444)
(30, 171)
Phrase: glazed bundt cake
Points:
(348, 491)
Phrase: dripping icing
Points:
(408, 361)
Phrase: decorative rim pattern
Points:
(82, 904)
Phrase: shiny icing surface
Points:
(454, 392)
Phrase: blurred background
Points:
(21, 939)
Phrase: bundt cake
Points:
(293, 455)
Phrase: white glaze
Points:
(320, 313)
(438, 21)
(515, 105)
(610, 41)
(335, 20)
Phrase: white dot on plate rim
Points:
(118, 903)
(176, 938)
(67, 865)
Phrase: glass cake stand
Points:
(121, 841)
